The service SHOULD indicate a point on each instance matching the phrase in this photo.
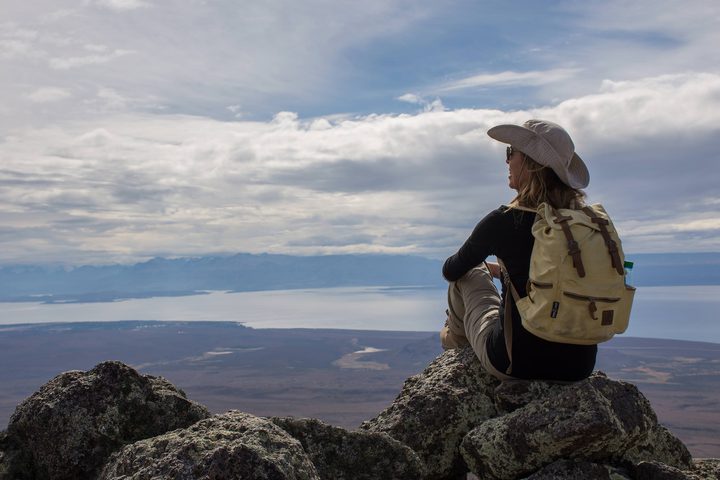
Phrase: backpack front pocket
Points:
(592, 304)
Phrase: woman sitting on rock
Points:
(543, 168)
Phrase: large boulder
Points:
(69, 428)
(657, 444)
(339, 454)
(233, 445)
(577, 470)
(437, 408)
(595, 419)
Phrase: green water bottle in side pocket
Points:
(628, 272)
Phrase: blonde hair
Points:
(544, 186)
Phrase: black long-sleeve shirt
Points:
(506, 233)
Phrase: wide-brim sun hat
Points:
(548, 144)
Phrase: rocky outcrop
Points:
(437, 408)
(453, 418)
(339, 454)
(595, 419)
(459, 419)
(234, 445)
(69, 428)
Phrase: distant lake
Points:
(680, 313)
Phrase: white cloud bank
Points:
(138, 185)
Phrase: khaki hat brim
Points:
(573, 173)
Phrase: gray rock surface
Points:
(437, 408)
(514, 394)
(657, 471)
(230, 446)
(705, 469)
(339, 454)
(578, 470)
(592, 419)
(69, 428)
(659, 445)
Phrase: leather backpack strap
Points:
(507, 317)
(573, 247)
(611, 244)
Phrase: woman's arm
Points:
(476, 248)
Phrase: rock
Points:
(658, 471)
(705, 469)
(659, 445)
(578, 470)
(233, 445)
(69, 428)
(592, 419)
(5, 452)
(360, 455)
(513, 394)
(113, 422)
(436, 409)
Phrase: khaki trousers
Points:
(473, 309)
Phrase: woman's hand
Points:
(494, 269)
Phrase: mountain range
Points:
(255, 272)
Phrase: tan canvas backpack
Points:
(576, 292)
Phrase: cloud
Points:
(411, 98)
(236, 110)
(142, 185)
(198, 57)
(10, 49)
(319, 127)
(435, 105)
(49, 94)
(75, 62)
(119, 5)
(508, 78)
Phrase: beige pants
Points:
(474, 304)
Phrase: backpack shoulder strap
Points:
(507, 318)
(573, 247)
(602, 224)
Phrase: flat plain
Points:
(340, 376)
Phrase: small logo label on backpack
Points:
(555, 308)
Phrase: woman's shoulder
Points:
(508, 216)
(497, 214)
(512, 217)
(519, 208)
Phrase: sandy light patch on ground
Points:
(650, 375)
(354, 360)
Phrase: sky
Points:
(138, 128)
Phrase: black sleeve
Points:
(476, 249)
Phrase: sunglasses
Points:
(508, 153)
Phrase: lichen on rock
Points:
(234, 445)
(339, 454)
(591, 419)
(437, 408)
(70, 426)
